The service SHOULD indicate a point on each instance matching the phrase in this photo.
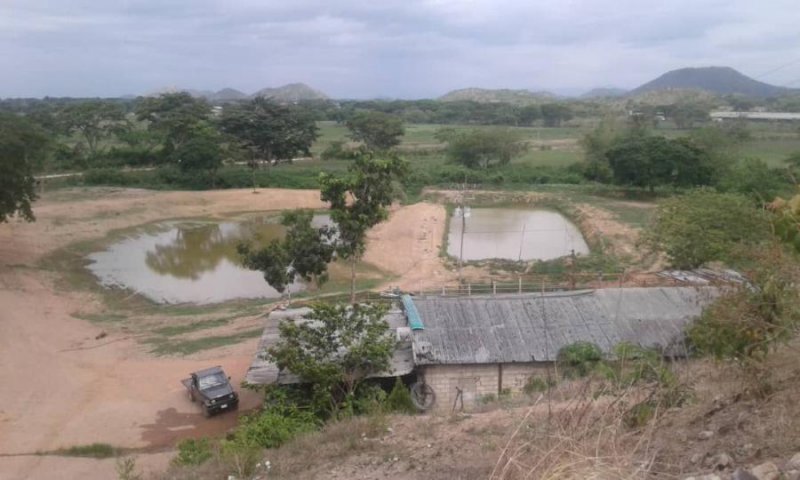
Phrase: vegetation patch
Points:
(93, 450)
(164, 346)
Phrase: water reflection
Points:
(195, 262)
(515, 234)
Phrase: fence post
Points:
(494, 287)
(469, 289)
(444, 292)
(519, 284)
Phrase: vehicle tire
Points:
(422, 396)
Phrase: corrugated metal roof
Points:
(534, 327)
(263, 372)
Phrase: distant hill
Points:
(288, 93)
(292, 92)
(717, 80)
(605, 92)
(227, 95)
(485, 95)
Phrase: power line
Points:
(793, 62)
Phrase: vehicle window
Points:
(212, 380)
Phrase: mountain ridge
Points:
(717, 80)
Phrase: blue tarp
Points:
(414, 320)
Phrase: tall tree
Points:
(304, 252)
(334, 348)
(22, 146)
(270, 132)
(359, 201)
(94, 120)
(175, 117)
(483, 148)
(704, 226)
(377, 130)
(201, 153)
(554, 114)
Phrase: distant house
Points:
(485, 345)
(760, 116)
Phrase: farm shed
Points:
(483, 345)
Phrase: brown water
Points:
(196, 262)
(515, 234)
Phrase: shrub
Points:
(399, 399)
(193, 452)
(106, 176)
(272, 428)
(579, 359)
(93, 450)
(537, 384)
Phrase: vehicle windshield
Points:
(211, 381)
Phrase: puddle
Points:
(194, 262)
(514, 234)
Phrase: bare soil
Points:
(66, 381)
(63, 386)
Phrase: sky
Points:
(384, 48)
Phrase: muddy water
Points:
(196, 262)
(514, 234)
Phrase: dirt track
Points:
(62, 387)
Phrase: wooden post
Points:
(494, 287)
(499, 379)
(444, 292)
(519, 284)
(469, 289)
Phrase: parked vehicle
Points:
(213, 390)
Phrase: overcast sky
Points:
(384, 48)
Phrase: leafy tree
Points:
(595, 146)
(359, 201)
(528, 114)
(377, 130)
(94, 120)
(754, 178)
(174, 117)
(554, 114)
(483, 148)
(270, 132)
(305, 252)
(686, 113)
(22, 147)
(646, 161)
(334, 348)
(200, 154)
(704, 226)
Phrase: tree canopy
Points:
(94, 120)
(359, 201)
(304, 252)
(271, 132)
(647, 161)
(377, 130)
(703, 226)
(22, 146)
(482, 148)
(174, 117)
(334, 348)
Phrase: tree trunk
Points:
(353, 280)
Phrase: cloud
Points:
(360, 48)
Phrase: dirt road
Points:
(62, 387)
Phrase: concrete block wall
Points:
(476, 381)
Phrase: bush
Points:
(399, 399)
(577, 360)
(106, 176)
(537, 385)
(193, 452)
(272, 428)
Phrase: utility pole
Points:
(462, 211)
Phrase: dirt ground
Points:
(64, 387)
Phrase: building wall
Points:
(477, 381)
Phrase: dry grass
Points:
(586, 437)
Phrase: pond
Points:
(514, 234)
(194, 262)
